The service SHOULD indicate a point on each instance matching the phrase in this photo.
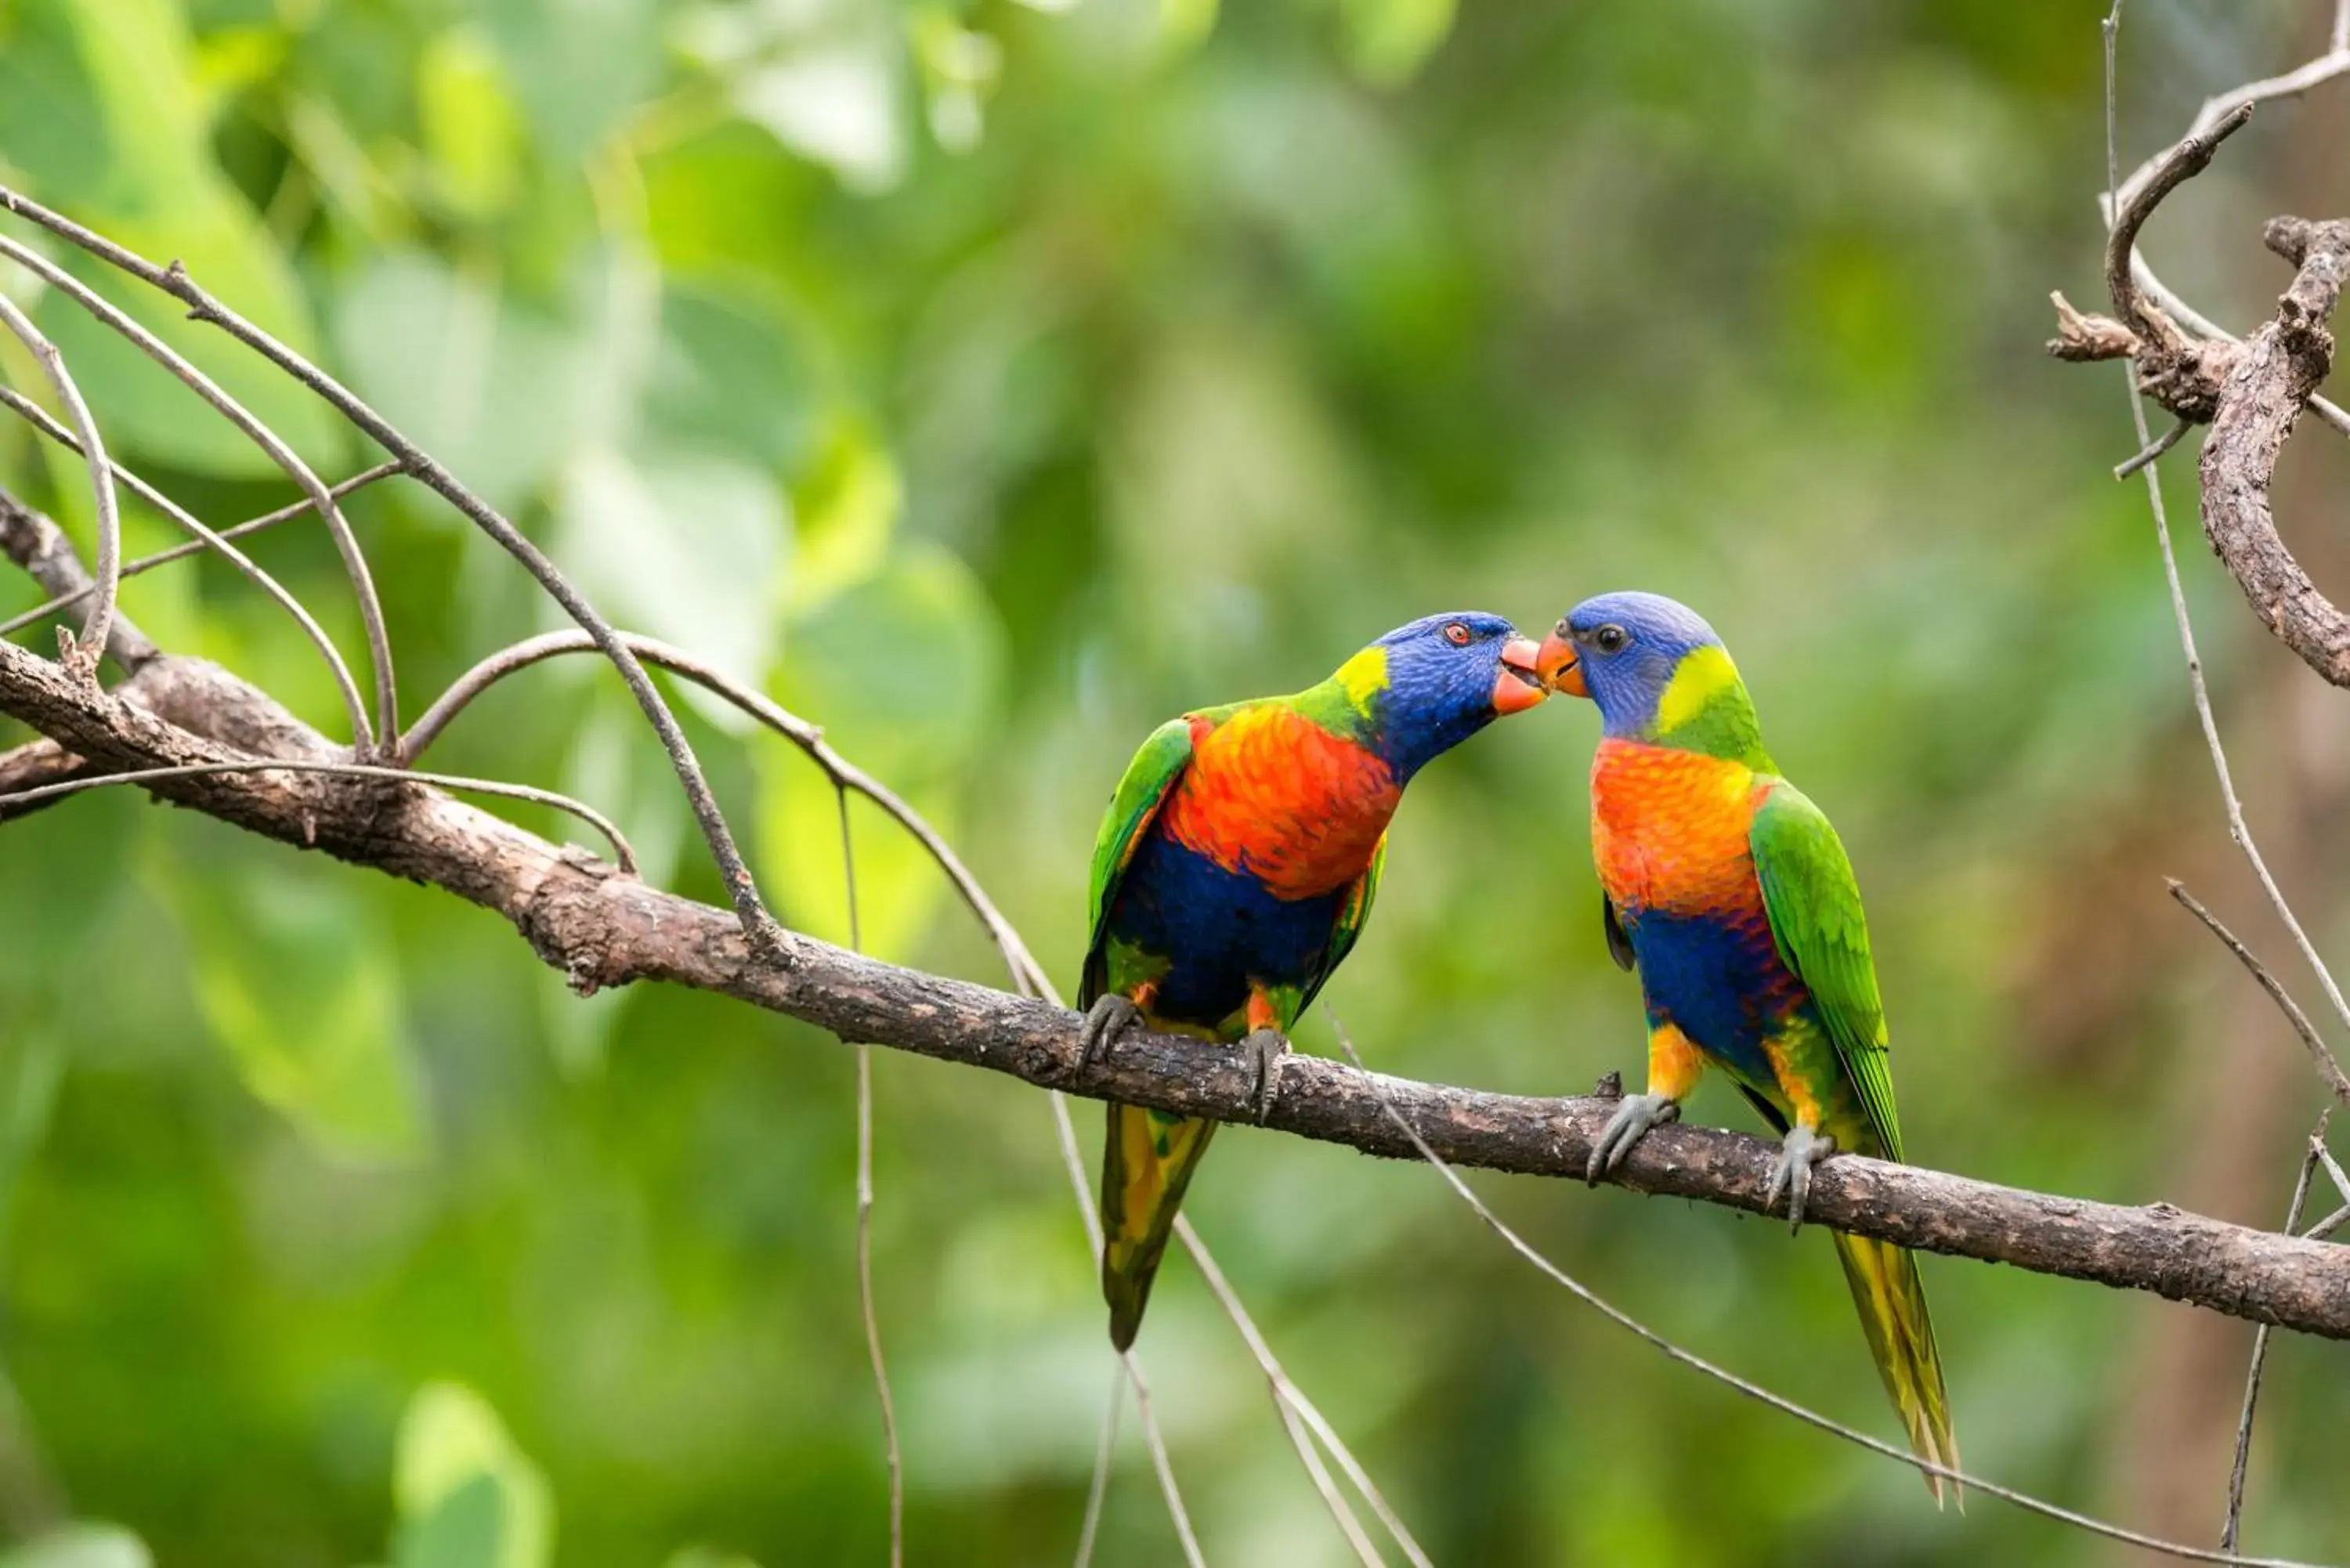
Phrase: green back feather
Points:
(1148, 777)
(1813, 904)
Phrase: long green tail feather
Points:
(1145, 1168)
(1892, 1303)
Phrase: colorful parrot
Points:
(1729, 890)
(1234, 871)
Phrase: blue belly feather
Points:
(1714, 980)
(1221, 931)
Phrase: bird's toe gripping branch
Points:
(1801, 1150)
(1266, 1047)
(1110, 1016)
(1629, 1126)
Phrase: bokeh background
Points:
(989, 382)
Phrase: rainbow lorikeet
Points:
(1732, 895)
(1234, 871)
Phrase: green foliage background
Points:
(989, 383)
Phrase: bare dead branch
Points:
(272, 445)
(742, 887)
(48, 556)
(2198, 688)
(602, 928)
(359, 480)
(2181, 373)
(2327, 1067)
(353, 703)
(96, 637)
(2275, 371)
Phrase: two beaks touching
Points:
(1241, 856)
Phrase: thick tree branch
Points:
(603, 929)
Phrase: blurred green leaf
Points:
(683, 547)
(473, 136)
(708, 1557)
(903, 671)
(295, 974)
(1390, 40)
(580, 65)
(467, 1498)
(163, 197)
(728, 379)
(80, 1546)
(494, 390)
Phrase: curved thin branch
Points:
(624, 854)
(48, 556)
(605, 930)
(346, 544)
(91, 645)
(355, 705)
(758, 705)
(742, 887)
(66, 600)
(2320, 1055)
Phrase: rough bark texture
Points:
(2271, 379)
(603, 929)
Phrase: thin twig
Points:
(865, 1221)
(2232, 1527)
(624, 855)
(1292, 1403)
(758, 926)
(2331, 1166)
(193, 547)
(1099, 1490)
(1157, 1444)
(90, 647)
(1755, 1391)
(206, 538)
(347, 544)
(1319, 1474)
(2146, 454)
(2327, 1067)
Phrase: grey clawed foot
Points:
(1629, 1126)
(1800, 1150)
(1265, 1047)
(1110, 1017)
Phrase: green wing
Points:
(1153, 772)
(1813, 904)
(1352, 916)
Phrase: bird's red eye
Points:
(1457, 635)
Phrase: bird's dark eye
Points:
(1610, 638)
(1457, 635)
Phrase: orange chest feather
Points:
(1276, 795)
(1669, 829)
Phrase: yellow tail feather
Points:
(1148, 1162)
(1892, 1303)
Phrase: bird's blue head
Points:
(1425, 688)
(1656, 670)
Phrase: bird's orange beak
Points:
(1520, 685)
(1558, 666)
